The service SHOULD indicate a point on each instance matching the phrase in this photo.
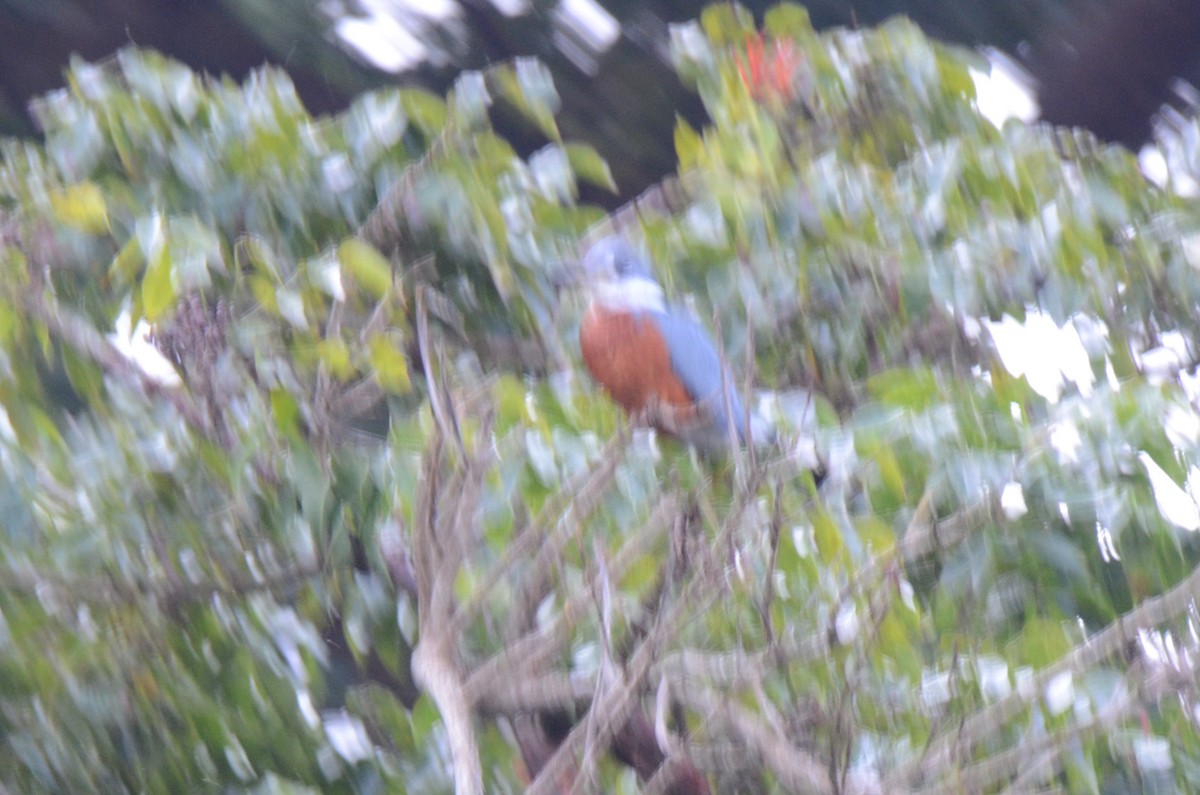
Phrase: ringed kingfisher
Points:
(656, 361)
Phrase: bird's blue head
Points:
(612, 258)
(620, 277)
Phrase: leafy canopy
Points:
(219, 579)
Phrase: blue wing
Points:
(698, 365)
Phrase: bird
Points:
(656, 361)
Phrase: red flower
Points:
(768, 75)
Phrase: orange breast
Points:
(628, 357)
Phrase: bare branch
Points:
(610, 709)
(796, 770)
(425, 560)
(435, 671)
(499, 671)
(616, 701)
(438, 399)
(353, 400)
(677, 773)
(533, 693)
(441, 538)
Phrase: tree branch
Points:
(796, 771)
(435, 671)
(500, 671)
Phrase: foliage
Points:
(220, 581)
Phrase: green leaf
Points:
(890, 472)
(529, 87)
(642, 575)
(389, 365)
(286, 412)
(424, 718)
(126, 264)
(423, 109)
(877, 536)
(85, 377)
(335, 354)
(366, 266)
(537, 87)
(688, 144)
(587, 163)
(263, 291)
(788, 21)
(897, 643)
(9, 323)
(510, 402)
(261, 257)
(828, 538)
(158, 284)
(727, 24)
(1043, 642)
(914, 389)
(80, 206)
(956, 77)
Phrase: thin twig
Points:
(498, 672)
(615, 702)
(796, 770)
(439, 403)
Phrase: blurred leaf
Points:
(471, 98)
(290, 305)
(539, 98)
(259, 255)
(127, 263)
(956, 77)
(335, 354)
(425, 110)
(727, 24)
(896, 643)
(588, 165)
(81, 206)
(828, 538)
(158, 286)
(910, 389)
(286, 412)
(264, 293)
(424, 718)
(366, 266)
(687, 144)
(788, 20)
(388, 364)
(530, 88)
(510, 403)
(1042, 642)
